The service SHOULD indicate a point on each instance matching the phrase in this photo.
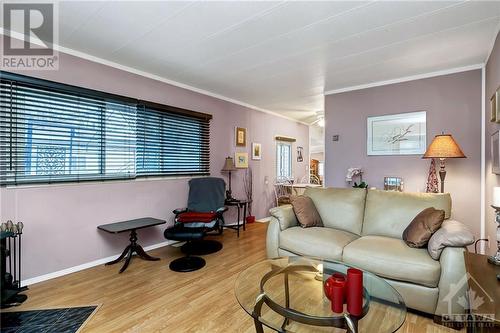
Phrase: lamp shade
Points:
(229, 165)
(444, 146)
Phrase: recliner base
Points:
(187, 264)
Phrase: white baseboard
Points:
(81, 267)
(264, 220)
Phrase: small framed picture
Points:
(496, 100)
(495, 153)
(300, 157)
(493, 108)
(241, 160)
(256, 151)
(241, 136)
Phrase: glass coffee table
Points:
(286, 295)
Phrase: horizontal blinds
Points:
(51, 135)
(171, 143)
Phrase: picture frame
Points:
(300, 157)
(397, 134)
(496, 102)
(240, 136)
(256, 151)
(495, 153)
(393, 184)
(493, 108)
(241, 160)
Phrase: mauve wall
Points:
(453, 105)
(492, 75)
(60, 220)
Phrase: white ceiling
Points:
(281, 56)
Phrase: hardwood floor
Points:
(148, 297)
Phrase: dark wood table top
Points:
(131, 225)
(484, 283)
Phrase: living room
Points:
(164, 165)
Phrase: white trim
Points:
(405, 79)
(264, 220)
(483, 157)
(113, 64)
(81, 267)
(492, 44)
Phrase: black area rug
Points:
(65, 320)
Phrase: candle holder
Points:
(495, 260)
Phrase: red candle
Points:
(340, 278)
(355, 291)
(338, 296)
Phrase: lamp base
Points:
(494, 260)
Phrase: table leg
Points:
(244, 215)
(238, 222)
(127, 260)
(124, 253)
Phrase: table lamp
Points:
(443, 146)
(229, 167)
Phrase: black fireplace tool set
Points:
(10, 264)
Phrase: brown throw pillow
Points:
(420, 230)
(306, 212)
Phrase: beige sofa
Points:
(364, 228)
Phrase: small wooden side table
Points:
(484, 286)
(133, 247)
(239, 204)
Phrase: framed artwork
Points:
(300, 158)
(241, 136)
(495, 153)
(397, 134)
(256, 151)
(493, 108)
(496, 102)
(393, 184)
(241, 160)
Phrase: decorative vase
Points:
(335, 291)
(250, 219)
(354, 291)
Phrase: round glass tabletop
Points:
(286, 294)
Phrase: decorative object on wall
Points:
(493, 108)
(495, 153)
(393, 184)
(300, 157)
(256, 151)
(496, 102)
(240, 137)
(241, 160)
(397, 134)
(229, 167)
(432, 180)
(443, 146)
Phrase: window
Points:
(171, 143)
(283, 160)
(51, 132)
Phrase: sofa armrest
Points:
(452, 283)
(285, 216)
(451, 234)
(273, 238)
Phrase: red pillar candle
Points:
(341, 278)
(338, 296)
(354, 291)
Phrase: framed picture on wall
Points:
(240, 136)
(397, 134)
(496, 102)
(493, 108)
(495, 153)
(256, 151)
(241, 160)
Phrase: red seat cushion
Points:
(189, 217)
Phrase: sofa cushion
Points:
(316, 241)
(420, 230)
(389, 213)
(340, 208)
(305, 211)
(393, 259)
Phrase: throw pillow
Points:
(420, 230)
(452, 233)
(306, 211)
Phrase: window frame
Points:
(278, 160)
